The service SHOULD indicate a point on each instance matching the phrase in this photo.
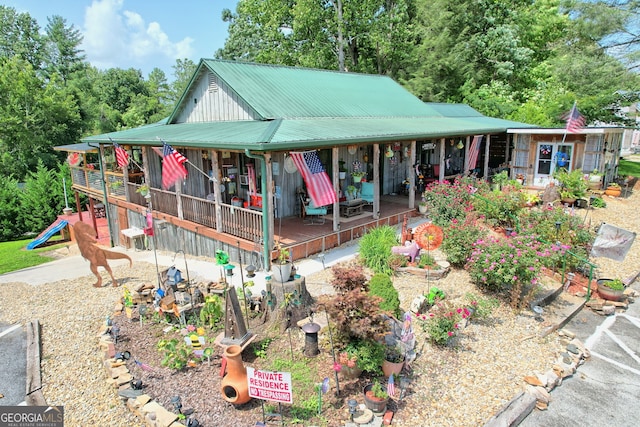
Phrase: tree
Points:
(20, 36)
(43, 198)
(63, 55)
(11, 224)
(182, 72)
(34, 117)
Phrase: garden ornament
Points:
(92, 252)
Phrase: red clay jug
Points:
(234, 387)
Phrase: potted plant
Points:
(595, 180)
(281, 271)
(361, 355)
(498, 180)
(572, 184)
(375, 398)
(357, 176)
(143, 189)
(352, 192)
(342, 171)
(611, 289)
(422, 207)
(393, 361)
(613, 189)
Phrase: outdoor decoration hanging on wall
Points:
(389, 152)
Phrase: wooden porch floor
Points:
(305, 239)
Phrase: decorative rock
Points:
(129, 393)
(124, 379)
(542, 406)
(533, 380)
(573, 349)
(418, 305)
(539, 393)
(553, 379)
(608, 310)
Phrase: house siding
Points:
(210, 100)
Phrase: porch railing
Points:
(241, 222)
(199, 210)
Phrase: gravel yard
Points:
(461, 386)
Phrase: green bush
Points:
(459, 238)
(381, 285)
(375, 248)
(447, 201)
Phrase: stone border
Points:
(34, 396)
(539, 385)
(141, 405)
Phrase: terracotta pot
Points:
(389, 368)
(234, 387)
(350, 373)
(613, 191)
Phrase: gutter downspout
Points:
(265, 206)
(104, 191)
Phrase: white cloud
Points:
(114, 37)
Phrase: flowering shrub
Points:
(447, 201)
(554, 225)
(459, 238)
(510, 265)
(443, 322)
(500, 208)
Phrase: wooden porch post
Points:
(441, 162)
(145, 161)
(217, 179)
(466, 153)
(486, 156)
(335, 179)
(411, 173)
(268, 240)
(376, 181)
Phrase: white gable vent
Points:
(213, 84)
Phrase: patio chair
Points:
(366, 192)
(312, 214)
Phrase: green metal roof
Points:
(305, 108)
(294, 92)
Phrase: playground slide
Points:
(54, 228)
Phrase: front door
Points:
(549, 157)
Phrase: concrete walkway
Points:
(604, 391)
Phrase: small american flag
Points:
(318, 183)
(172, 166)
(575, 120)
(391, 386)
(122, 157)
(144, 366)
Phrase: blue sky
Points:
(139, 34)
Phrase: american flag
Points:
(575, 120)
(318, 183)
(122, 157)
(144, 366)
(474, 150)
(172, 166)
(391, 386)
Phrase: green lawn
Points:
(629, 168)
(14, 255)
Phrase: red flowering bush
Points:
(447, 201)
(510, 265)
(443, 322)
